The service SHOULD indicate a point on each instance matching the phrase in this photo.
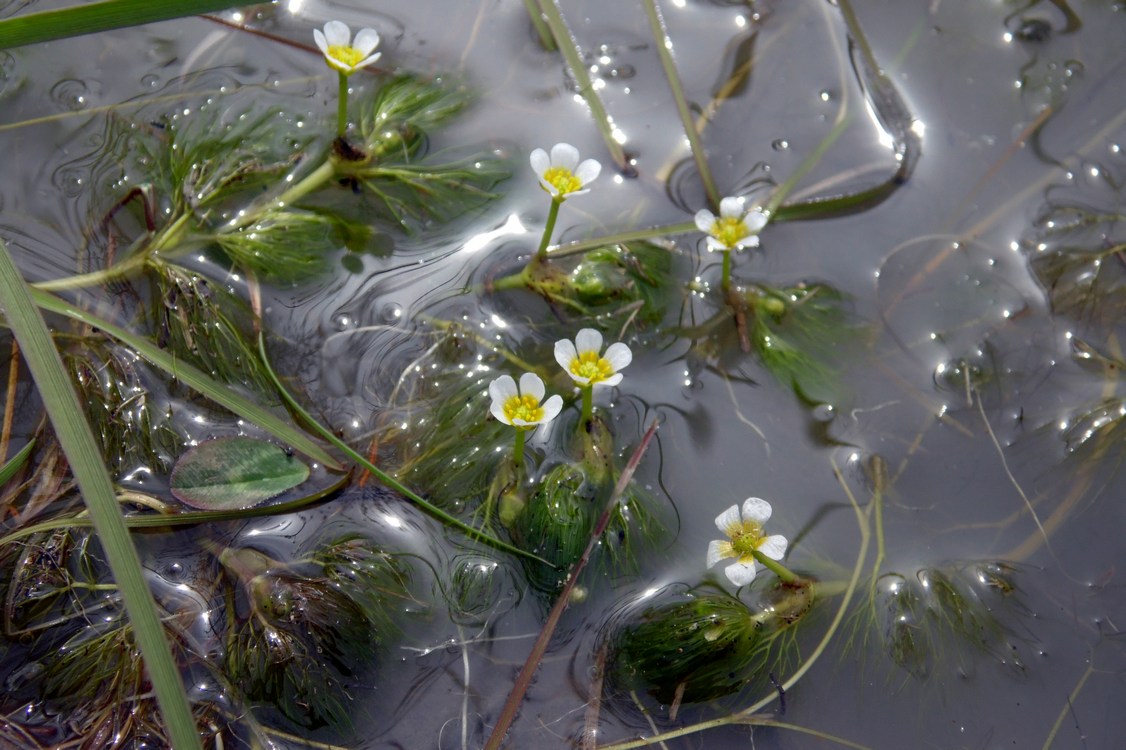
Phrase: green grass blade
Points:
(16, 462)
(89, 471)
(194, 378)
(33, 28)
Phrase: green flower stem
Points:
(784, 574)
(549, 227)
(342, 104)
(518, 454)
(725, 282)
(588, 406)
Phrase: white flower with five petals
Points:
(734, 228)
(586, 364)
(341, 52)
(521, 407)
(744, 537)
(561, 174)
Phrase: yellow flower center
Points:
(346, 54)
(592, 367)
(746, 539)
(729, 230)
(563, 180)
(524, 407)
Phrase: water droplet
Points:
(780, 144)
(825, 95)
(342, 322)
(71, 93)
(1033, 30)
(391, 312)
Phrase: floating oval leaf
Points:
(234, 472)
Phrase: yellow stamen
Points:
(592, 367)
(729, 230)
(746, 538)
(563, 180)
(524, 407)
(346, 54)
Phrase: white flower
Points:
(341, 52)
(583, 361)
(734, 229)
(745, 535)
(521, 407)
(561, 174)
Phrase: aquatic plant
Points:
(346, 55)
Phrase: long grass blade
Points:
(33, 28)
(16, 462)
(89, 471)
(664, 51)
(196, 379)
(569, 47)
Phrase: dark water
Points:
(967, 371)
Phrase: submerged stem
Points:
(725, 282)
(544, 33)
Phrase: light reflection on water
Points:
(959, 380)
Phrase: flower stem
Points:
(784, 574)
(548, 228)
(588, 406)
(342, 105)
(725, 282)
(518, 454)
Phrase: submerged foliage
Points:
(707, 645)
(294, 638)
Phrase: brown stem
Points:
(524, 679)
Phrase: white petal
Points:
(496, 408)
(588, 171)
(751, 241)
(588, 340)
(705, 220)
(756, 509)
(540, 161)
(366, 41)
(551, 408)
(718, 550)
(322, 43)
(565, 353)
(368, 60)
(337, 34)
(618, 355)
(731, 207)
(773, 546)
(741, 573)
(565, 155)
(612, 380)
(728, 520)
(715, 245)
(755, 220)
(531, 385)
